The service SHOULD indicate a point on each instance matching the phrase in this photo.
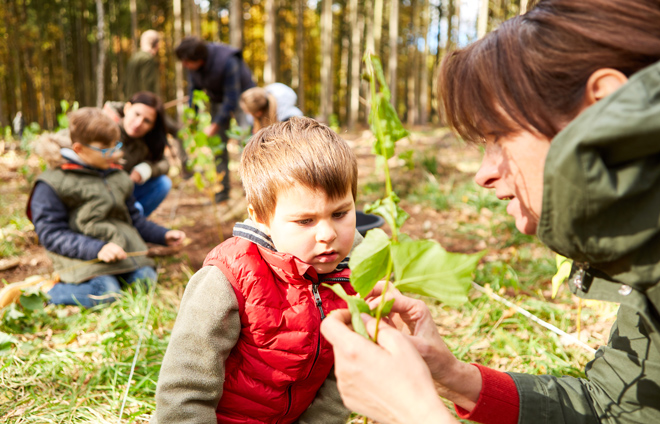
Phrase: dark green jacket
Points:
(141, 74)
(97, 209)
(601, 207)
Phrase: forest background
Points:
(77, 50)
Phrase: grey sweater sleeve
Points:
(193, 370)
(327, 407)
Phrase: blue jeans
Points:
(150, 194)
(99, 289)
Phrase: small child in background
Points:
(246, 346)
(83, 209)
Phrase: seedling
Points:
(203, 150)
(414, 266)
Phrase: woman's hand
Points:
(174, 237)
(456, 380)
(111, 252)
(389, 381)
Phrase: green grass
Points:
(74, 366)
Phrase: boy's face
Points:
(90, 153)
(313, 228)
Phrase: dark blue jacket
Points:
(224, 76)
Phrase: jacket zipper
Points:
(319, 305)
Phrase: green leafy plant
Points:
(238, 133)
(202, 149)
(21, 317)
(62, 119)
(414, 266)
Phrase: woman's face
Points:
(139, 119)
(513, 166)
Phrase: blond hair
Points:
(258, 100)
(89, 124)
(300, 150)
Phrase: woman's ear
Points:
(602, 83)
(261, 225)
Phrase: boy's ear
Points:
(76, 147)
(261, 225)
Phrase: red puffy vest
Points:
(280, 360)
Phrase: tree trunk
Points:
(178, 70)
(326, 61)
(187, 22)
(355, 64)
(394, 42)
(236, 24)
(370, 25)
(343, 68)
(269, 40)
(424, 68)
(482, 20)
(413, 63)
(195, 19)
(451, 12)
(135, 34)
(100, 80)
(378, 25)
(300, 38)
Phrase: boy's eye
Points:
(339, 214)
(304, 221)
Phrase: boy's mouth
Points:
(327, 257)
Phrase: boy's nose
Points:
(325, 232)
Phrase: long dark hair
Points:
(156, 138)
(532, 71)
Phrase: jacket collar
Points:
(601, 193)
(285, 262)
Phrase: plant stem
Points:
(381, 138)
(379, 310)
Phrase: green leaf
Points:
(31, 302)
(387, 308)
(425, 268)
(356, 306)
(198, 181)
(369, 261)
(13, 313)
(563, 272)
(6, 340)
(390, 125)
(389, 209)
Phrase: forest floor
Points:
(63, 364)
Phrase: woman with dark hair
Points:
(566, 102)
(143, 137)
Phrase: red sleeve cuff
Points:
(498, 401)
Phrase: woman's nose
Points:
(488, 172)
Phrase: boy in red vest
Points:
(246, 346)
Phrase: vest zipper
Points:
(317, 299)
(288, 407)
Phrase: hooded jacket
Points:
(601, 208)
